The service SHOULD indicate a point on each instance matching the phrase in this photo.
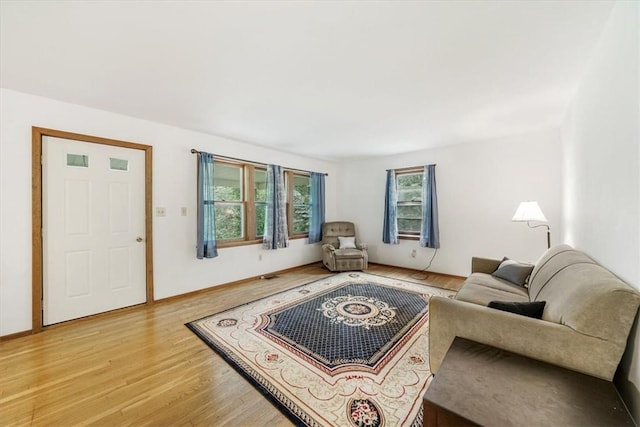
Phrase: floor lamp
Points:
(530, 211)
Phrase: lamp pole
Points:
(548, 232)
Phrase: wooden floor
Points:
(142, 366)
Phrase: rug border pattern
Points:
(287, 406)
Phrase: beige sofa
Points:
(584, 327)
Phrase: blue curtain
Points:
(390, 225)
(317, 207)
(275, 222)
(206, 228)
(429, 232)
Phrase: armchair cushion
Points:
(347, 242)
(348, 253)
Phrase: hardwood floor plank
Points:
(142, 366)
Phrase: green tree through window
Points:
(260, 186)
(301, 203)
(240, 202)
(409, 188)
(229, 206)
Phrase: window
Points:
(240, 196)
(118, 164)
(78, 160)
(260, 188)
(300, 211)
(409, 190)
(229, 204)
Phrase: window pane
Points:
(228, 183)
(118, 164)
(261, 211)
(409, 187)
(301, 203)
(260, 180)
(78, 160)
(301, 189)
(410, 211)
(229, 220)
(301, 215)
(406, 225)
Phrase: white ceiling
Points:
(326, 79)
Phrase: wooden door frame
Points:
(37, 279)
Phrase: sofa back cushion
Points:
(550, 264)
(583, 295)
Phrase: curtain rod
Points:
(194, 151)
(412, 167)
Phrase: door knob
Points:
(139, 239)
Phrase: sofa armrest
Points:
(484, 265)
(538, 339)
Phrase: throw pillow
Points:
(513, 271)
(347, 242)
(530, 309)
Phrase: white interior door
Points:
(93, 201)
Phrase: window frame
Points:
(242, 202)
(407, 171)
(250, 205)
(289, 177)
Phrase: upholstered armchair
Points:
(341, 251)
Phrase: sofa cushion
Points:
(513, 271)
(480, 294)
(496, 283)
(530, 309)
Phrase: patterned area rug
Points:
(347, 350)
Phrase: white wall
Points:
(601, 139)
(480, 185)
(176, 269)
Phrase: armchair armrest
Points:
(362, 246)
(538, 339)
(484, 265)
(327, 247)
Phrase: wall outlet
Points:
(414, 253)
(161, 211)
(259, 257)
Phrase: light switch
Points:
(183, 211)
(161, 211)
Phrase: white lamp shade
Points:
(529, 211)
